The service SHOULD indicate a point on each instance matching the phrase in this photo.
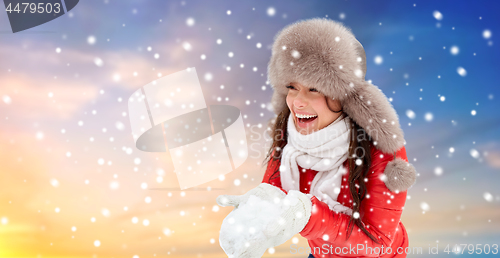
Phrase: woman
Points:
(337, 154)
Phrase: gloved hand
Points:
(264, 217)
(264, 191)
(295, 213)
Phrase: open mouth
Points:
(305, 121)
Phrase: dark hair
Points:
(359, 148)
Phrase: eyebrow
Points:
(297, 84)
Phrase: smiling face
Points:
(309, 108)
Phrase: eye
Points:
(289, 87)
(313, 89)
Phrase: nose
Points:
(300, 100)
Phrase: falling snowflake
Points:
(424, 206)
(105, 212)
(428, 116)
(437, 15)
(54, 182)
(488, 197)
(208, 77)
(190, 22)
(410, 114)
(98, 62)
(461, 71)
(438, 171)
(486, 34)
(187, 46)
(474, 153)
(271, 11)
(91, 40)
(6, 99)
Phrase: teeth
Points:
(304, 116)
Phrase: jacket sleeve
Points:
(276, 179)
(380, 213)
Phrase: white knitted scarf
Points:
(325, 151)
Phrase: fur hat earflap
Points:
(369, 107)
(324, 54)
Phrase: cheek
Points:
(289, 101)
(324, 113)
(320, 106)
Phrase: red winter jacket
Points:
(380, 214)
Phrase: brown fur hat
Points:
(324, 54)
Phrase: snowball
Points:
(236, 226)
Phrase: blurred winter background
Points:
(72, 183)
